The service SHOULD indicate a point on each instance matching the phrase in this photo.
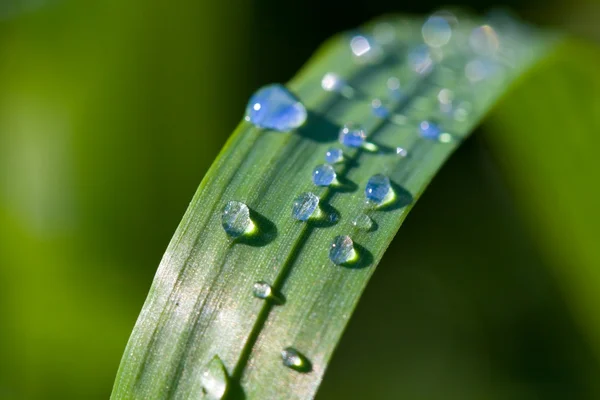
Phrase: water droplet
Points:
(214, 380)
(352, 135)
(275, 107)
(365, 49)
(236, 219)
(429, 130)
(323, 175)
(484, 40)
(363, 222)
(334, 83)
(342, 250)
(420, 59)
(262, 290)
(378, 189)
(293, 359)
(401, 151)
(306, 204)
(436, 31)
(379, 110)
(334, 155)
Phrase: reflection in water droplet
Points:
(305, 205)
(420, 59)
(342, 250)
(236, 219)
(275, 107)
(378, 189)
(323, 175)
(436, 31)
(352, 135)
(214, 380)
(484, 40)
(262, 290)
(333, 155)
(363, 222)
(379, 110)
(293, 359)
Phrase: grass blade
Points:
(201, 318)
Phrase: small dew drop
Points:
(401, 151)
(235, 219)
(323, 175)
(436, 31)
(379, 110)
(352, 135)
(342, 250)
(262, 290)
(363, 222)
(293, 359)
(275, 107)
(378, 189)
(420, 60)
(334, 155)
(429, 130)
(214, 380)
(306, 204)
(484, 40)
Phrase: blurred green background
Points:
(110, 114)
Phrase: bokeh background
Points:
(111, 111)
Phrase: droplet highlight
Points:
(334, 155)
(305, 206)
(293, 359)
(334, 83)
(436, 31)
(235, 219)
(275, 107)
(214, 380)
(352, 135)
(342, 250)
(323, 175)
(378, 189)
(401, 151)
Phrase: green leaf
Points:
(201, 304)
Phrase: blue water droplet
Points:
(334, 155)
(275, 107)
(323, 175)
(363, 222)
(342, 250)
(429, 130)
(305, 205)
(236, 219)
(293, 359)
(378, 188)
(352, 135)
(379, 110)
(420, 59)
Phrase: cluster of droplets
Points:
(276, 108)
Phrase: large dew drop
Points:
(342, 250)
(323, 175)
(236, 219)
(378, 189)
(275, 107)
(214, 380)
(305, 206)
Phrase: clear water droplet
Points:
(342, 250)
(378, 189)
(334, 155)
(236, 219)
(365, 49)
(379, 110)
(429, 130)
(334, 83)
(363, 222)
(420, 59)
(352, 135)
(214, 380)
(401, 151)
(275, 107)
(262, 290)
(293, 359)
(484, 40)
(323, 175)
(305, 205)
(436, 31)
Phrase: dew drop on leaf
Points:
(235, 219)
(275, 107)
(305, 206)
(293, 359)
(342, 250)
(323, 175)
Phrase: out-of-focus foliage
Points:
(107, 124)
